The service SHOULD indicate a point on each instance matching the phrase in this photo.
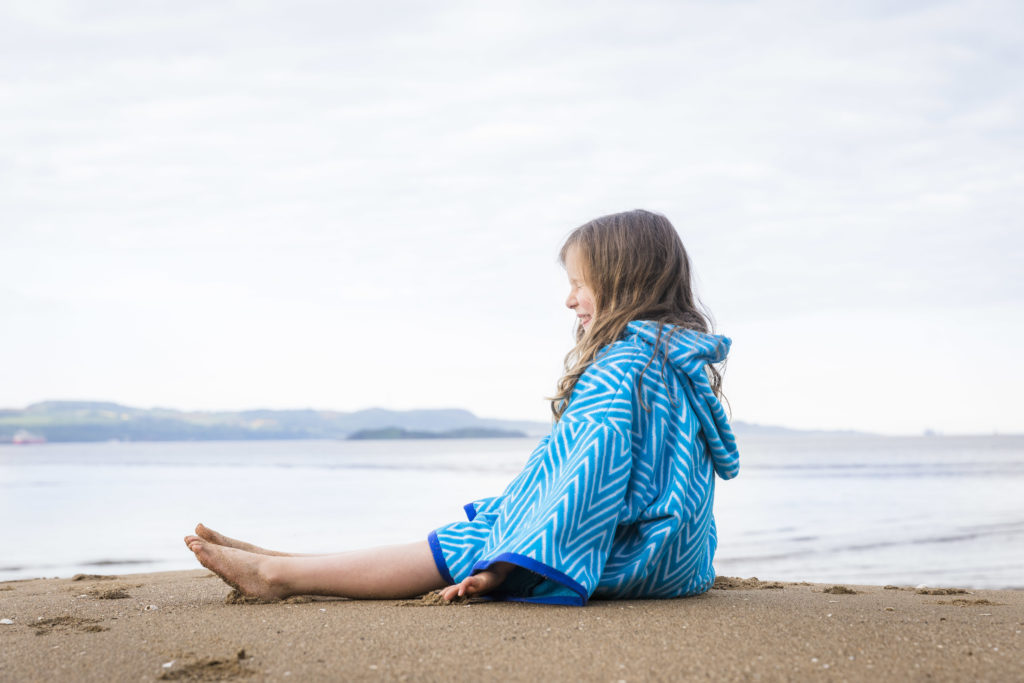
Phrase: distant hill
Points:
(103, 421)
(465, 433)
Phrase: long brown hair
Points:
(637, 268)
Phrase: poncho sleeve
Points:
(557, 520)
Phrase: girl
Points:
(616, 502)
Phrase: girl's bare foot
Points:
(244, 571)
(212, 536)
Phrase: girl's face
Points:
(581, 298)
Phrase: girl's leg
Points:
(397, 571)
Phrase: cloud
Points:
(411, 170)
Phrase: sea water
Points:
(944, 511)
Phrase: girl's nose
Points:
(570, 301)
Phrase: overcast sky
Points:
(342, 205)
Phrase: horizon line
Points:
(926, 432)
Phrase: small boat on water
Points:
(23, 436)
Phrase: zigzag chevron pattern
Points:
(617, 500)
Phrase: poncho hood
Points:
(688, 352)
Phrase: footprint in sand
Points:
(113, 593)
(964, 602)
(118, 592)
(67, 622)
(209, 669)
(237, 598)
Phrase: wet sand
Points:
(178, 626)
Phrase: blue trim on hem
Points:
(544, 570)
(470, 511)
(550, 600)
(442, 566)
(542, 600)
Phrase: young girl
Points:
(616, 502)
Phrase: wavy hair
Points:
(636, 266)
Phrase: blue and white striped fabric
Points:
(616, 502)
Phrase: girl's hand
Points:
(479, 583)
(471, 585)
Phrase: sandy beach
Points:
(179, 626)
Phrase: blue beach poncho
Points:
(616, 502)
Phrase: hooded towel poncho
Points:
(616, 502)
